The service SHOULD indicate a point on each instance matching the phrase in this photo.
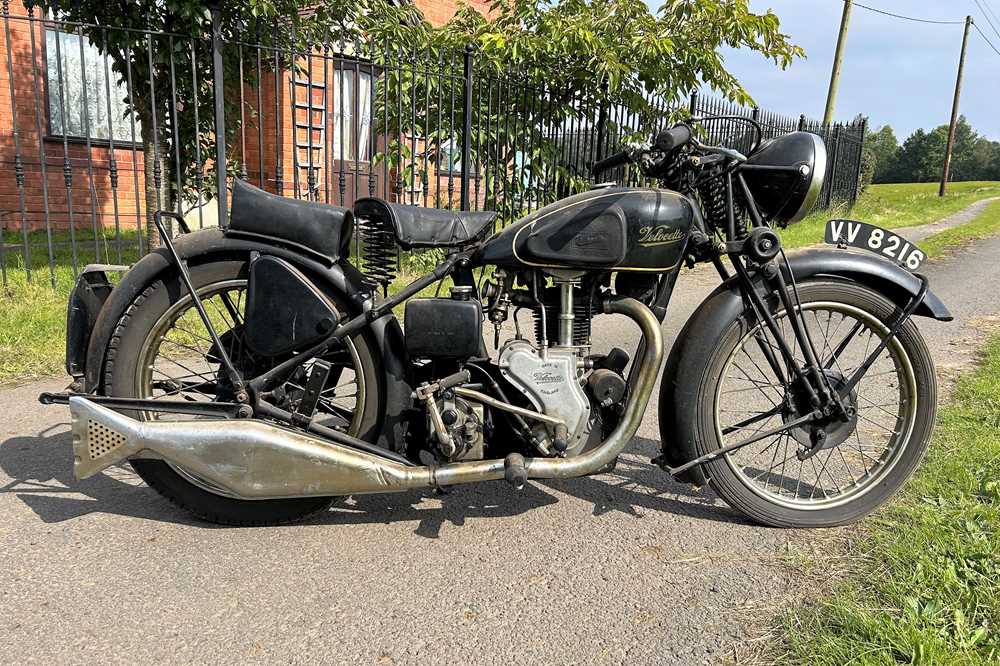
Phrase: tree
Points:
(612, 55)
(921, 157)
(883, 147)
(963, 166)
(613, 65)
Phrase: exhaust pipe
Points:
(251, 459)
(257, 460)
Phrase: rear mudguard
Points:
(213, 245)
(725, 304)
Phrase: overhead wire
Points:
(987, 17)
(906, 18)
(986, 39)
(985, 9)
(989, 10)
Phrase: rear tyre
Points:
(147, 333)
(865, 461)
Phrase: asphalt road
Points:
(623, 568)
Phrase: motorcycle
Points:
(251, 374)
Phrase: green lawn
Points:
(893, 207)
(33, 314)
(927, 586)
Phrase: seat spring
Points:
(379, 253)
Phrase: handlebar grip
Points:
(673, 138)
(611, 162)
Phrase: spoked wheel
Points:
(833, 471)
(162, 351)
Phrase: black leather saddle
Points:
(416, 227)
(320, 227)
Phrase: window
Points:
(352, 114)
(450, 158)
(68, 71)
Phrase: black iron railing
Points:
(95, 137)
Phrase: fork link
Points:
(823, 397)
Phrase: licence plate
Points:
(850, 233)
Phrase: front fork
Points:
(824, 401)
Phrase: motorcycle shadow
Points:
(40, 474)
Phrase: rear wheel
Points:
(161, 350)
(861, 462)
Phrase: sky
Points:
(896, 72)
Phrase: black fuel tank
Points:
(614, 228)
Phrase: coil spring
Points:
(379, 253)
(582, 315)
(713, 206)
(713, 202)
(674, 174)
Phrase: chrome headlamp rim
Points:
(816, 183)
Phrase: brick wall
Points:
(439, 12)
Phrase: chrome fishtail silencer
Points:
(257, 460)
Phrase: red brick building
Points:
(88, 167)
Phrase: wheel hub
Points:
(829, 431)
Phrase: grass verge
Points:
(927, 590)
(985, 225)
(893, 207)
(33, 313)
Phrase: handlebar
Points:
(612, 162)
(673, 138)
(665, 142)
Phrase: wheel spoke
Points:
(750, 396)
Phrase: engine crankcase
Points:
(550, 382)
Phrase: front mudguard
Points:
(213, 245)
(713, 317)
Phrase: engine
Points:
(557, 375)
(565, 399)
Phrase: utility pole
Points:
(838, 59)
(954, 109)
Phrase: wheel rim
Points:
(169, 366)
(886, 400)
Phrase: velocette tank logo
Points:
(660, 235)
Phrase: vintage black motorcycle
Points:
(250, 374)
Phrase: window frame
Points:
(51, 136)
(363, 67)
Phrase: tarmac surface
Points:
(628, 567)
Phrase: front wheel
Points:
(859, 463)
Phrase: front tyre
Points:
(862, 462)
(160, 350)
